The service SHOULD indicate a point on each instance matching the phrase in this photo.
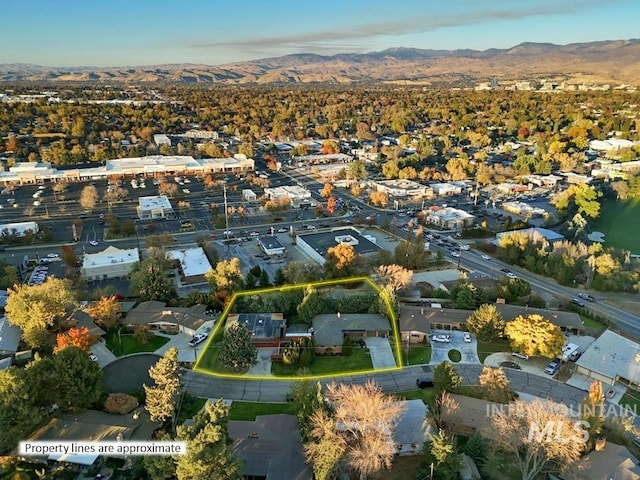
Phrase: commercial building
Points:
(298, 196)
(157, 165)
(316, 245)
(533, 233)
(157, 206)
(110, 263)
(444, 189)
(193, 264)
(449, 218)
(249, 195)
(18, 228)
(271, 245)
(403, 188)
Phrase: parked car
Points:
(94, 243)
(441, 338)
(466, 337)
(93, 357)
(512, 365)
(199, 338)
(424, 382)
(578, 302)
(52, 255)
(587, 297)
(553, 367)
(511, 275)
(520, 355)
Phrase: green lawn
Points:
(360, 359)
(589, 322)
(130, 345)
(190, 406)
(631, 399)
(487, 348)
(420, 354)
(249, 410)
(210, 361)
(618, 222)
(425, 394)
(454, 355)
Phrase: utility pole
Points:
(226, 209)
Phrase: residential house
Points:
(412, 428)
(267, 329)
(332, 329)
(270, 448)
(158, 316)
(612, 358)
(9, 338)
(613, 462)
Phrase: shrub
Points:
(120, 403)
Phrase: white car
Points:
(93, 357)
(466, 337)
(282, 230)
(228, 233)
(94, 243)
(455, 254)
(464, 247)
(511, 275)
(255, 233)
(186, 190)
(36, 203)
(441, 338)
(486, 257)
(199, 338)
(52, 255)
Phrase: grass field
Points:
(619, 223)
(360, 359)
(487, 348)
(127, 344)
(419, 354)
(454, 355)
(249, 410)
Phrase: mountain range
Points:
(615, 61)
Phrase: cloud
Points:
(328, 39)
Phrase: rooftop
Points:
(154, 203)
(9, 336)
(193, 261)
(109, 256)
(613, 355)
(155, 312)
(411, 427)
(322, 241)
(261, 325)
(329, 329)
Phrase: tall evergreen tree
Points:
(161, 397)
(237, 353)
(208, 452)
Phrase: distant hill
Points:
(614, 62)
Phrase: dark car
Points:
(424, 382)
(505, 270)
(577, 302)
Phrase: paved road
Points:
(390, 382)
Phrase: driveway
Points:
(381, 353)
(105, 356)
(186, 353)
(263, 367)
(468, 351)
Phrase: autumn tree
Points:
(534, 335)
(331, 205)
(592, 412)
(168, 189)
(88, 197)
(496, 385)
(486, 323)
(360, 429)
(395, 276)
(582, 198)
(539, 436)
(160, 399)
(341, 261)
(411, 255)
(445, 377)
(327, 190)
(237, 352)
(378, 199)
(76, 337)
(142, 334)
(69, 256)
(297, 272)
(106, 311)
(209, 454)
(225, 279)
(37, 308)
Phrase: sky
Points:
(107, 33)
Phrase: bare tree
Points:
(88, 197)
(396, 276)
(539, 436)
(365, 417)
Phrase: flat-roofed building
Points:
(403, 188)
(157, 206)
(110, 263)
(271, 245)
(316, 245)
(193, 264)
(18, 228)
(443, 189)
(297, 195)
(449, 218)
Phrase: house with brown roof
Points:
(158, 316)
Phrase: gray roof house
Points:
(9, 338)
(412, 430)
(270, 448)
(611, 358)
